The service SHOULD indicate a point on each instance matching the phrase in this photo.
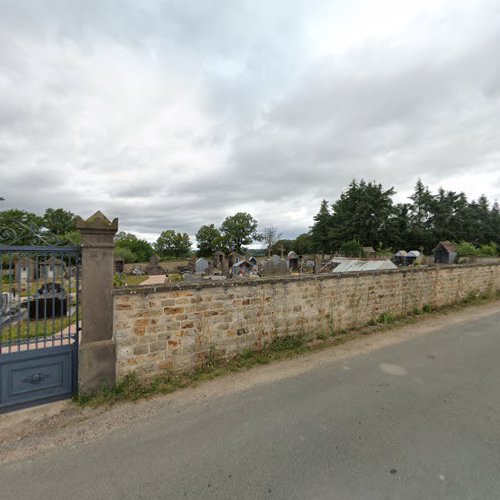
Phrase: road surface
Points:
(419, 419)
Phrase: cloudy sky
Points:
(175, 113)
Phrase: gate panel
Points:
(39, 324)
(37, 376)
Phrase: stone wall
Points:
(173, 327)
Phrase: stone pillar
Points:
(96, 357)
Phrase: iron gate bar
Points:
(39, 324)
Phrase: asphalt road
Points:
(415, 420)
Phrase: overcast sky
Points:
(173, 114)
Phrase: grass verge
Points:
(131, 388)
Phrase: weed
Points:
(286, 343)
(331, 325)
(131, 388)
(386, 318)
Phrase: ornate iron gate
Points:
(39, 324)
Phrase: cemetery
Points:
(236, 266)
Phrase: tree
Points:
(59, 221)
(209, 240)
(365, 212)
(303, 244)
(352, 248)
(19, 227)
(126, 254)
(239, 229)
(141, 248)
(172, 244)
(270, 236)
(321, 229)
(283, 246)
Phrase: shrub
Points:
(118, 279)
(490, 250)
(352, 248)
(466, 249)
(386, 318)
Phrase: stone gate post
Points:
(96, 360)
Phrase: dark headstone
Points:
(153, 268)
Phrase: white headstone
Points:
(201, 265)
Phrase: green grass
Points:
(35, 285)
(131, 388)
(31, 329)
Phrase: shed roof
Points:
(447, 245)
(241, 262)
(354, 265)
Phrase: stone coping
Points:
(236, 282)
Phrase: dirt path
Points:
(33, 431)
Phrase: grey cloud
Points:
(174, 114)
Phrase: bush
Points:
(352, 248)
(118, 279)
(490, 250)
(126, 254)
(386, 318)
(466, 249)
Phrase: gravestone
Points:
(318, 264)
(201, 265)
(271, 268)
(275, 259)
(153, 268)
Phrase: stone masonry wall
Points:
(174, 327)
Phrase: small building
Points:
(233, 258)
(411, 257)
(399, 257)
(369, 252)
(242, 268)
(119, 264)
(292, 260)
(25, 269)
(445, 253)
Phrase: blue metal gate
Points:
(39, 324)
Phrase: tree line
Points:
(365, 213)
(22, 227)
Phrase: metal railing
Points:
(39, 305)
